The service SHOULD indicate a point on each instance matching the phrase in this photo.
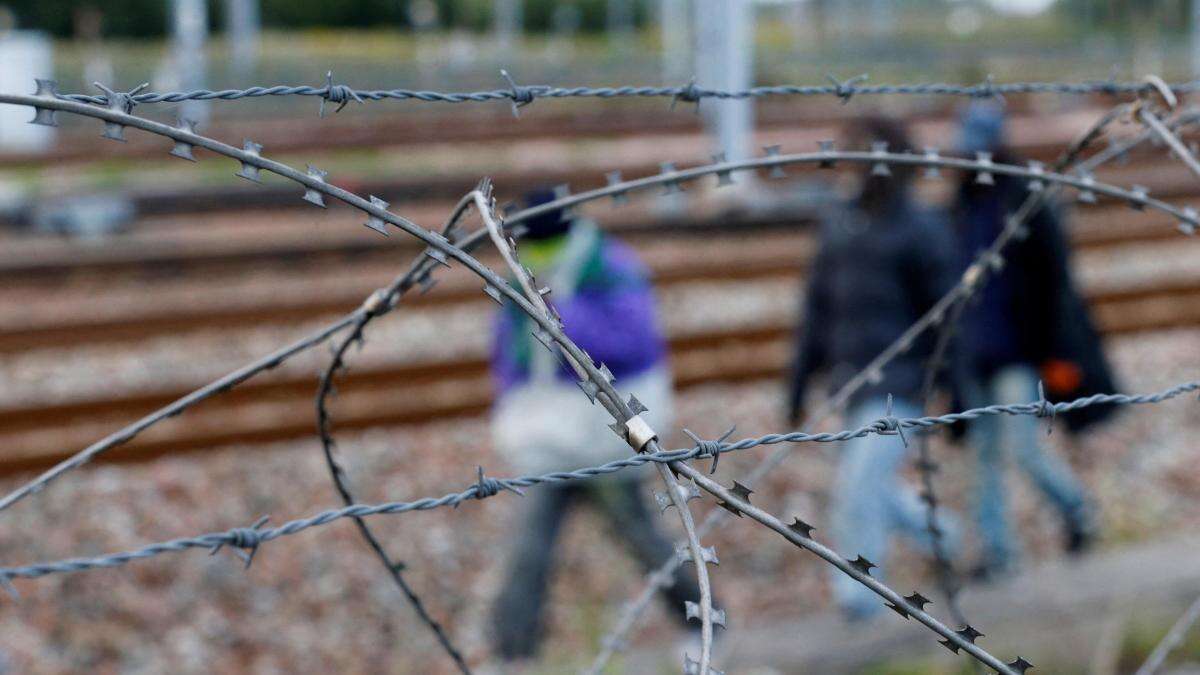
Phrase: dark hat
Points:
(546, 224)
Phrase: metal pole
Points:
(674, 29)
(506, 24)
(804, 20)
(843, 18)
(881, 18)
(1196, 38)
(189, 19)
(724, 57)
(242, 29)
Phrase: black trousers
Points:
(517, 615)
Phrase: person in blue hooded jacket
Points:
(1027, 325)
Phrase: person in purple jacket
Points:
(542, 422)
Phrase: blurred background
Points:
(128, 278)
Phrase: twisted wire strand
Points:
(844, 91)
(378, 214)
(947, 576)
(623, 413)
(314, 184)
(218, 386)
(859, 569)
(440, 248)
(613, 640)
(1171, 640)
(491, 486)
(250, 539)
(378, 304)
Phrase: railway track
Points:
(781, 244)
(161, 275)
(643, 147)
(279, 408)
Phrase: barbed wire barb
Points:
(683, 481)
(844, 90)
(933, 317)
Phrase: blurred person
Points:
(542, 422)
(884, 260)
(1028, 323)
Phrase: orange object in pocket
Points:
(1061, 377)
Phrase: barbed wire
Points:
(376, 305)
(872, 372)
(1171, 640)
(315, 187)
(519, 96)
(116, 118)
(1014, 227)
(249, 540)
(596, 384)
(486, 486)
(596, 381)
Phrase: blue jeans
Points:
(998, 437)
(870, 502)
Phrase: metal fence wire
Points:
(1151, 102)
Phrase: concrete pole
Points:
(724, 58)
(242, 28)
(1195, 39)
(189, 21)
(843, 17)
(26, 55)
(674, 31)
(507, 18)
(801, 20)
(882, 18)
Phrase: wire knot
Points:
(7, 584)
(1156, 85)
(889, 424)
(688, 93)
(339, 94)
(122, 101)
(707, 448)
(244, 540)
(1045, 408)
(845, 90)
(489, 487)
(1109, 86)
(521, 96)
(987, 89)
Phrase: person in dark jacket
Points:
(884, 261)
(1028, 322)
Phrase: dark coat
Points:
(872, 278)
(1047, 316)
